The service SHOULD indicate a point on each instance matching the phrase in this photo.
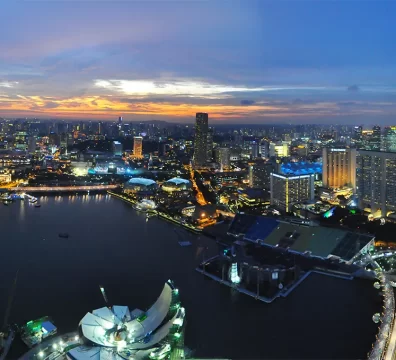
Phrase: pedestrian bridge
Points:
(32, 189)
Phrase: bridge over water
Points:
(32, 189)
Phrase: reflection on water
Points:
(112, 245)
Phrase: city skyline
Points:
(259, 62)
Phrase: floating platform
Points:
(35, 331)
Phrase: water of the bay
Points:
(110, 244)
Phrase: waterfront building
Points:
(117, 148)
(140, 187)
(288, 190)
(300, 236)
(117, 333)
(339, 167)
(176, 184)
(137, 147)
(376, 181)
(201, 139)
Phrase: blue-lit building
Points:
(140, 187)
(302, 168)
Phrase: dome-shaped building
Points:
(140, 186)
(176, 184)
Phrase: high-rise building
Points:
(32, 143)
(117, 148)
(339, 167)
(223, 156)
(210, 144)
(375, 141)
(120, 120)
(289, 190)
(376, 181)
(358, 136)
(255, 150)
(201, 139)
(137, 146)
(279, 149)
(264, 150)
(390, 139)
(262, 175)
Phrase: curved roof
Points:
(141, 181)
(101, 324)
(178, 181)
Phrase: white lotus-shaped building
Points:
(117, 333)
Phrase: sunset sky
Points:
(241, 61)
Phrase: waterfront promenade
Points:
(53, 348)
(160, 214)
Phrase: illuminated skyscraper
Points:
(117, 148)
(289, 190)
(223, 155)
(358, 136)
(376, 181)
(375, 143)
(339, 167)
(390, 139)
(201, 139)
(137, 146)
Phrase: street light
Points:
(41, 354)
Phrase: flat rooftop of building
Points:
(320, 241)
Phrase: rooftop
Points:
(178, 181)
(320, 241)
(141, 181)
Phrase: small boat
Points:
(64, 235)
(37, 205)
(184, 243)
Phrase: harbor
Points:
(109, 253)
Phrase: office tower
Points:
(289, 190)
(280, 149)
(32, 142)
(120, 120)
(376, 181)
(201, 139)
(100, 128)
(264, 149)
(375, 141)
(339, 167)
(117, 148)
(223, 156)
(210, 144)
(255, 150)
(262, 175)
(137, 146)
(390, 139)
(358, 136)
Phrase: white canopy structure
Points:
(117, 333)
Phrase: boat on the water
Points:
(185, 243)
(64, 235)
(35, 331)
(37, 205)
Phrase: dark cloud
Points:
(353, 88)
(94, 103)
(247, 102)
(346, 103)
(298, 101)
